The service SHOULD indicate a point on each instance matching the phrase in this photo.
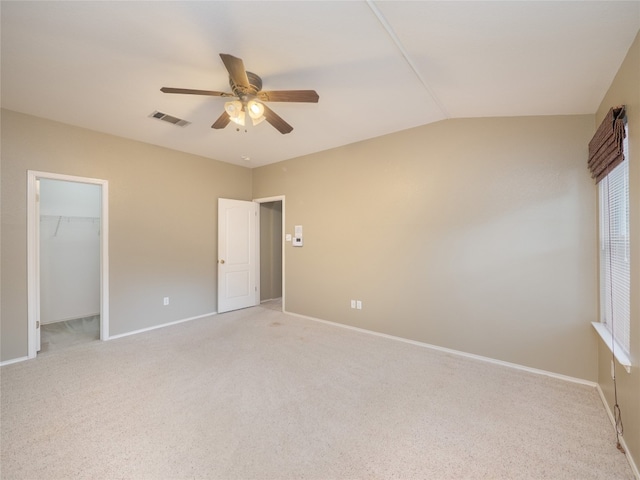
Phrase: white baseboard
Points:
(632, 463)
(455, 352)
(148, 329)
(270, 299)
(13, 360)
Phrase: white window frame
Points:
(619, 342)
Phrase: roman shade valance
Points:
(605, 148)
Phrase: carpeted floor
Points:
(258, 394)
(60, 335)
(273, 304)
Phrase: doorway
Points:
(272, 252)
(67, 260)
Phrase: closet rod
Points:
(60, 217)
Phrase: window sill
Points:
(618, 352)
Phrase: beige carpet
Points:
(257, 394)
(60, 335)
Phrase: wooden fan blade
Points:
(235, 67)
(274, 119)
(195, 92)
(309, 96)
(222, 121)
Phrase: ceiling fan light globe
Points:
(233, 109)
(238, 119)
(256, 109)
(257, 121)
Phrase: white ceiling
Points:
(378, 66)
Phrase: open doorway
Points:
(67, 261)
(271, 253)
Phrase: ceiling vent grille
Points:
(169, 118)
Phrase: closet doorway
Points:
(67, 261)
(271, 252)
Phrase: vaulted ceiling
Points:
(378, 66)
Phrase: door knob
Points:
(221, 261)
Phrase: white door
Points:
(237, 254)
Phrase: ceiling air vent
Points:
(169, 118)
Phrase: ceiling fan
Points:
(246, 87)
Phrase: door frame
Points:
(277, 198)
(33, 253)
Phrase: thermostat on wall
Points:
(297, 236)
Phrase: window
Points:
(614, 255)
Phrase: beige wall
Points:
(625, 90)
(162, 213)
(472, 234)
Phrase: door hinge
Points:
(37, 324)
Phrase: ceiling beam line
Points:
(385, 24)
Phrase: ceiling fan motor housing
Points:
(244, 93)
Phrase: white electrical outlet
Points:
(353, 304)
(359, 304)
(165, 301)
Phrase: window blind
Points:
(606, 146)
(614, 253)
